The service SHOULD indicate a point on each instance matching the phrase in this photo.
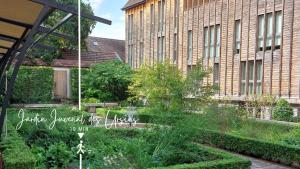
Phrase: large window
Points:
(254, 73)
(190, 47)
(237, 36)
(260, 34)
(206, 42)
(278, 28)
(269, 31)
(212, 42)
(268, 35)
(218, 40)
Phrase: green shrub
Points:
(58, 155)
(285, 154)
(16, 154)
(33, 85)
(283, 111)
(107, 81)
(74, 82)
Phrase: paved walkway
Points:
(262, 164)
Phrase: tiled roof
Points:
(98, 50)
(133, 3)
(104, 45)
(70, 59)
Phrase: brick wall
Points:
(281, 70)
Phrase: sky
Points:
(109, 9)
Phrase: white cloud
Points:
(115, 31)
(95, 3)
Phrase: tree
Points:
(197, 93)
(161, 85)
(166, 89)
(107, 81)
(69, 28)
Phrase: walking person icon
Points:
(80, 148)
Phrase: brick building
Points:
(253, 46)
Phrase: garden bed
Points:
(132, 148)
(285, 154)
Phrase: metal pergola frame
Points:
(26, 41)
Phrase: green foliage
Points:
(283, 111)
(74, 82)
(33, 85)
(166, 90)
(58, 155)
(70, 28)
(161, 85)
(16, 153)
(107, 81)
(195, 91)
(285, 154)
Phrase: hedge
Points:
(74, 82)
(33, 85)
(16, 154)
(227, 161)
(284, 154)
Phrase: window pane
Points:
(258, 76)
(243, 70)
(175, 49)
(243, 80)
(261, 25)
(251, 70)
(218, 40)
(251, 88)
(269, 30)
(278, 28)
(243, 88)
(162, 48)
(237, 36)
(212, 41)
(190, 47)
(216, 73)
(205, 41)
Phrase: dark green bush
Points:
(74, 82)
(58, 155)
(283, 111)
(107, 81)
(285, 154)
(16, 153)
(33, 85)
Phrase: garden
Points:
(184, 127)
